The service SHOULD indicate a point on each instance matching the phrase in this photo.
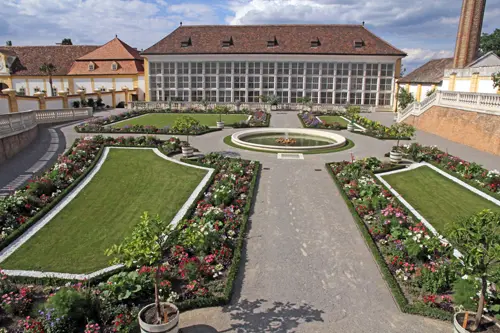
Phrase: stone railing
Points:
(12, 123)
(140, 105)
(475, 102)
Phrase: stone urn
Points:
(350, 127)
(220, 124)
(172, 326)
(396, 156)
(187, 151)
(458, 319)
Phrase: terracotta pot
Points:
(395, 157)
(220, 124)
(187, 151)
(171, 327)
(350, 127)
(457, 326)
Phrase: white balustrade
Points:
(12, 123)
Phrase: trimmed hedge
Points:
(391, 281)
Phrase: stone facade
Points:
(11, 145)
(474, 129)
(469, 32)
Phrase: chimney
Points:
(469, 32)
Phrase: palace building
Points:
(332, 64)
(112, 66)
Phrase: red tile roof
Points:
(115, 49)
(431, 72)
(30, 58)
(104, 67)
(292, 39)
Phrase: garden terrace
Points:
(162, 120)
(102, 214)
(311, 120)
(438, 199)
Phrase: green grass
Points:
(129, 182)
(334, 119)
(438, 199)
(161, 120)
(349, 145)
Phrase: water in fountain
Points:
(286, 135)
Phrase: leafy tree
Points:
(306, 100)
(185, 124)
(401, 131)
(405, 98)
(49, 69)
(496, 80)
(66, 41)
(478, 238)
(269, 99)
(352, 111)
(8, 43)
(490, 42)
(151, 239)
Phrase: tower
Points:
(469, 32)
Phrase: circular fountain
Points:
(288, 139)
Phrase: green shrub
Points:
(126, 287)
(76, 104)
(72, 304)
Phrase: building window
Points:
(327, 83)
(342, 69)
(326, 97)
(283, 83)
(224, 96)
(182, 82)
(197, 95)
(312, 68)
(169, 82)
(183, 68)
(387, 70)
(210, 82)
(253, 82)
(268, 82)
(224, 82)
(385, 84)
(210, 68)
(211, 96)
(239, 82)
(312, 83)
(168, 68)
(355, 98)
(114, 66)
(384, 99)
(239, 96)
(224, 68)
(357, 69)
(196, 82)
(282, 96)
(341, 83)
(154, 68)
(356, 83)
(268, 68)
(341, 98)
(196, 68)
(183, 95)
(297, 82)
(371, 84)
(91, 66)
(370, 98)
(254, 68)
(283, 68)
(253, 96)
(297, 68)
(240, 68)
(328, 69)
(295, 95)
(371, 69)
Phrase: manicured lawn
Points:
(161, 120)
(130, 182)
(435, 197)
(334, 119)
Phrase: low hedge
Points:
(391, 281)
(159, 132)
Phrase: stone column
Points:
(12, 99)
(113, 96)
(41, 100)
(64, 95)
(81, 92)
(98, 92)
(125, 89)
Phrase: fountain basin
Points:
(296, 139)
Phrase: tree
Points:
(49, 69)
(405, 98)
(66, 41)
(496, 80)
(8, 43)
(269, 99)
(401, 131)
(478, 239)
(151, 239)
(490, 42)
(185, 125)
(352, 112)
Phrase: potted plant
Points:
(399, 131)
(204, 102)
(184, 125)
(220, 110)
(148, 245)
(478, 239)
(352, 112)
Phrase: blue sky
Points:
(425, 29)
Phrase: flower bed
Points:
(375, 128)
(470, 172)
(24, 207)
(259, 119)
(415, 263)
(198, 272)
(310, 120)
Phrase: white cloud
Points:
(426, 55)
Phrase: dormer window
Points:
(186, 43)
(227, 42)
(358, 43)
(272, 42)
(91, 66)
(114, 66)
(315, 42)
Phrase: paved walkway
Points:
(305, 267)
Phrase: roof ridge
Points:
(270, 25)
